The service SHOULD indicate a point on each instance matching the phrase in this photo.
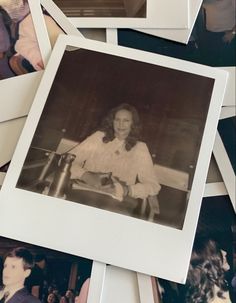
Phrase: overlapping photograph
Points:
(119, 140)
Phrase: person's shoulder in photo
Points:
(114, 158)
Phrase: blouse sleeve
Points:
(83, 152)
(27, 44)
(148, 184)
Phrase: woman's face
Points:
(122, 124)
(51, 298)
(225, 264)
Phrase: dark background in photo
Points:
(61, 272)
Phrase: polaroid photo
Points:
(22, 56)
(178, 35)
(126, 13)
(131, 183)
(213, 252)
(45, 275)
(225, 151)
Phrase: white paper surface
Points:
(9, 134)
(120, 285)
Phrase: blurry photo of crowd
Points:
(38, 275)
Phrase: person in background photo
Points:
(17, 267)
(114, 152)
(37, 279)
(218, 38)
(206, 276)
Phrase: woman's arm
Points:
(27, 44)
(148, 184)
(83, 152)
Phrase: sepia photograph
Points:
(103, 8)
(102, 145)
(120, 141)
(29, 273)
(211, 275)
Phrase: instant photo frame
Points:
(84, 276)
(154, 14)
(112, 238)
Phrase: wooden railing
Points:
(92, 8)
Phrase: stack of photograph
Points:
(117, 151)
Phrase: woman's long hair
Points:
(108, 129)
(205, 273)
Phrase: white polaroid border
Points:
(178, 35)
(106, 236)
(96, 284)
(2, 177)
(223, 160)
(160, 14)
(120, 285)
(215, 189)
(230, 95)
(145, 288)
(9, 134)
(17, 103)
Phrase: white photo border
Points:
(100, 241)
(9, 134)
(160, 14)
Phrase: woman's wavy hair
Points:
(205, 272)
(108, 129)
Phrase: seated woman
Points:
(115, 150)
(206, 276)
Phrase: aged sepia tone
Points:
(103, 8)
(172, 114)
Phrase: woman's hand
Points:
(94, 179)
(228, 37)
